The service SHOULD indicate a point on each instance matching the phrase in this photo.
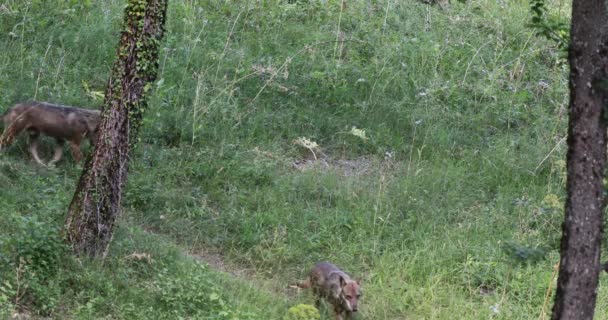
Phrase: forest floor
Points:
(420, 148)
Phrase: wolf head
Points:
(93, 120)
(350, 292)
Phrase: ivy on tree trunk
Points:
(96, 202)
(582, 229)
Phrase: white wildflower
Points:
(389, 154)
(358, 133)
(308, 144)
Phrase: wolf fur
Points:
(60, 122)
(334, 285)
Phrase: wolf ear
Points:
(358, 281)
(342, 281)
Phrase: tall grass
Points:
(451, 206)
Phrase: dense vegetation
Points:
(448, 204)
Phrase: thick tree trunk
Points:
(96, 202)
(582, 229)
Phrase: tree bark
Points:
(96, 202)
(582, 229)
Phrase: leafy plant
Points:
(549, 26)
(302, 312)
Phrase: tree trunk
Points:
(582, 229)
(96, 202)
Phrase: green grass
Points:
(461, 221)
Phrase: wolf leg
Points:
(341, 313)
(317, 303)
(76, 153)
(34, 135)
(58, 152)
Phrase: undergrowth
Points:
(418, 147)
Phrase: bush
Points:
(302, 312)
(30, 257)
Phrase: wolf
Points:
(334, 285)
(57, 121)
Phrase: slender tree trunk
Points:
(96, 202)
(582, 229)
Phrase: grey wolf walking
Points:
(60, 122)
(334, 285)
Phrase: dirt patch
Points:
(216, 261)
(361, 166)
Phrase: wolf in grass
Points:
(334, 285)
(60, 122)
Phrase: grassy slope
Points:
(457, 96)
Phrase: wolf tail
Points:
(10, 129)
(2, 136)
(302, 284)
